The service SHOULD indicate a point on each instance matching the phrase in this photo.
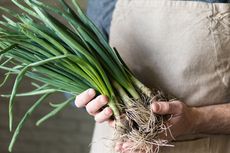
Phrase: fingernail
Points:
(108, 111)
(75, 102)
(91, 92)
(155, 107)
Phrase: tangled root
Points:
(143, 127)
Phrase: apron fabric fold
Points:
(182, 48)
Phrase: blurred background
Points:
(68, 132)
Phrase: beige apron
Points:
(181, 47)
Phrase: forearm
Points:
(213, 119)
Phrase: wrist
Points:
(199, 120)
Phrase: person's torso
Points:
(100, 12)
(183, 48)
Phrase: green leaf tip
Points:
(23, 120)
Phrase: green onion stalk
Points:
(64, 51)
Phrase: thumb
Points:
(164, 108)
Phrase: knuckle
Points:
(179, 105)
(170, 108)
(101, 100)
(96, 104)
(166, 107)
(90, 93)
(100, 117)
(98, 101)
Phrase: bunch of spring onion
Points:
(61, 48)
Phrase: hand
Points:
(182, 122)
(95, 106)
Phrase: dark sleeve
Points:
(100, 12)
